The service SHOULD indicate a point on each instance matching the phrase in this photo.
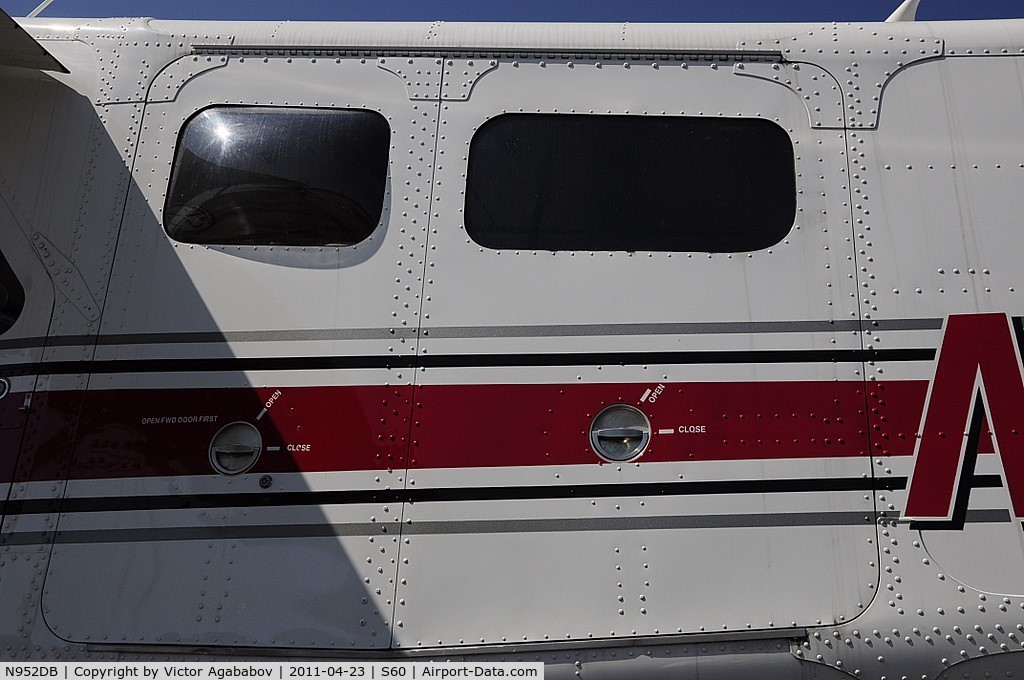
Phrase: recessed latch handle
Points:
(620, 433)
(234, 449)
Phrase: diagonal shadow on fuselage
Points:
(115, 477)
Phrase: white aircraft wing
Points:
(19, 49)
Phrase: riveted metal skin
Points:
(461, 74)
(860, 58)
(68, 279)
(129, 52)
(62, 187)
(578, 301)
(172, 77)
(421, 75)
(815, 85)
(238, 590)
(425, 487)
(949, 599)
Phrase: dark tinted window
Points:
(265, 176)
(587, 182)
(12, 296)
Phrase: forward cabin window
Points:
(628, 183)
(12, 296)
(274, 176)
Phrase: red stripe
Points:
(524, 425)
(10, 440)
(11, 414)
(457, 426)
(168, 432)
(49, 437)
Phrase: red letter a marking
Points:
(978, 360)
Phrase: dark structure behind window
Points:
(627, 183)
(275, 176)
(12, 296)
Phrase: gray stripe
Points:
(905, 325)
(485, 526)
(495, 526)
(214, 533)
(208, 337)
(547, 331)
(31, 343)
(503, 526)
(708, 328)
(498, 526)
(988, 516)
(26, 538)
(972, 517)
(300, 335)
